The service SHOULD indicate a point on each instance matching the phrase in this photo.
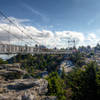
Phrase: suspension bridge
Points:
(15, 49)
(9, 48)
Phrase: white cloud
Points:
(45, 37)
(92, 36)
(92, 39)
(15, 20)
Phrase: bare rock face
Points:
(23, 89)
(11, 71)
(12, 87)
(49, 98)
(27, 96)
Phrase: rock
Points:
(28, 96)
(49, 98)
(10, 72)
(13, 87)
(7, 66)
(24, 89)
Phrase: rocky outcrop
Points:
(21, 89)
(25, 89)
(48, 98)
(15, 65)
(11, 71)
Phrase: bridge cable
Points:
(16, 26)
(13, 35)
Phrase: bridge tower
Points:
(71, 44)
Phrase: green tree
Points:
(63, 75)
(83, 83)
(56, 86)
(2, 61)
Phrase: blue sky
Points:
(81, 16)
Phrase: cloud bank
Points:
(11, 34)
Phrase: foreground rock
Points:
(24, 89)
(14, 87)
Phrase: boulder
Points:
(24, 89)
(14, 87)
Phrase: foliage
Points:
(78, 59)
(63, 75)
(2, 61)
(56, 86)
(31, 63)
(83, 83)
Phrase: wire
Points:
(16, 26)
(30, 36)
(14, 35)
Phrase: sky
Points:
(52, 22)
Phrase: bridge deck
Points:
(15, 49)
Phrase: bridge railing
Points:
(14, 49)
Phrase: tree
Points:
(2, 61)
(56, 86)
(83, 82)
(98, 83)
(63, 75)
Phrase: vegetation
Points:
(37, 63)
(56, 86)
(78, 59)
(82, 83)
(2, 61)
